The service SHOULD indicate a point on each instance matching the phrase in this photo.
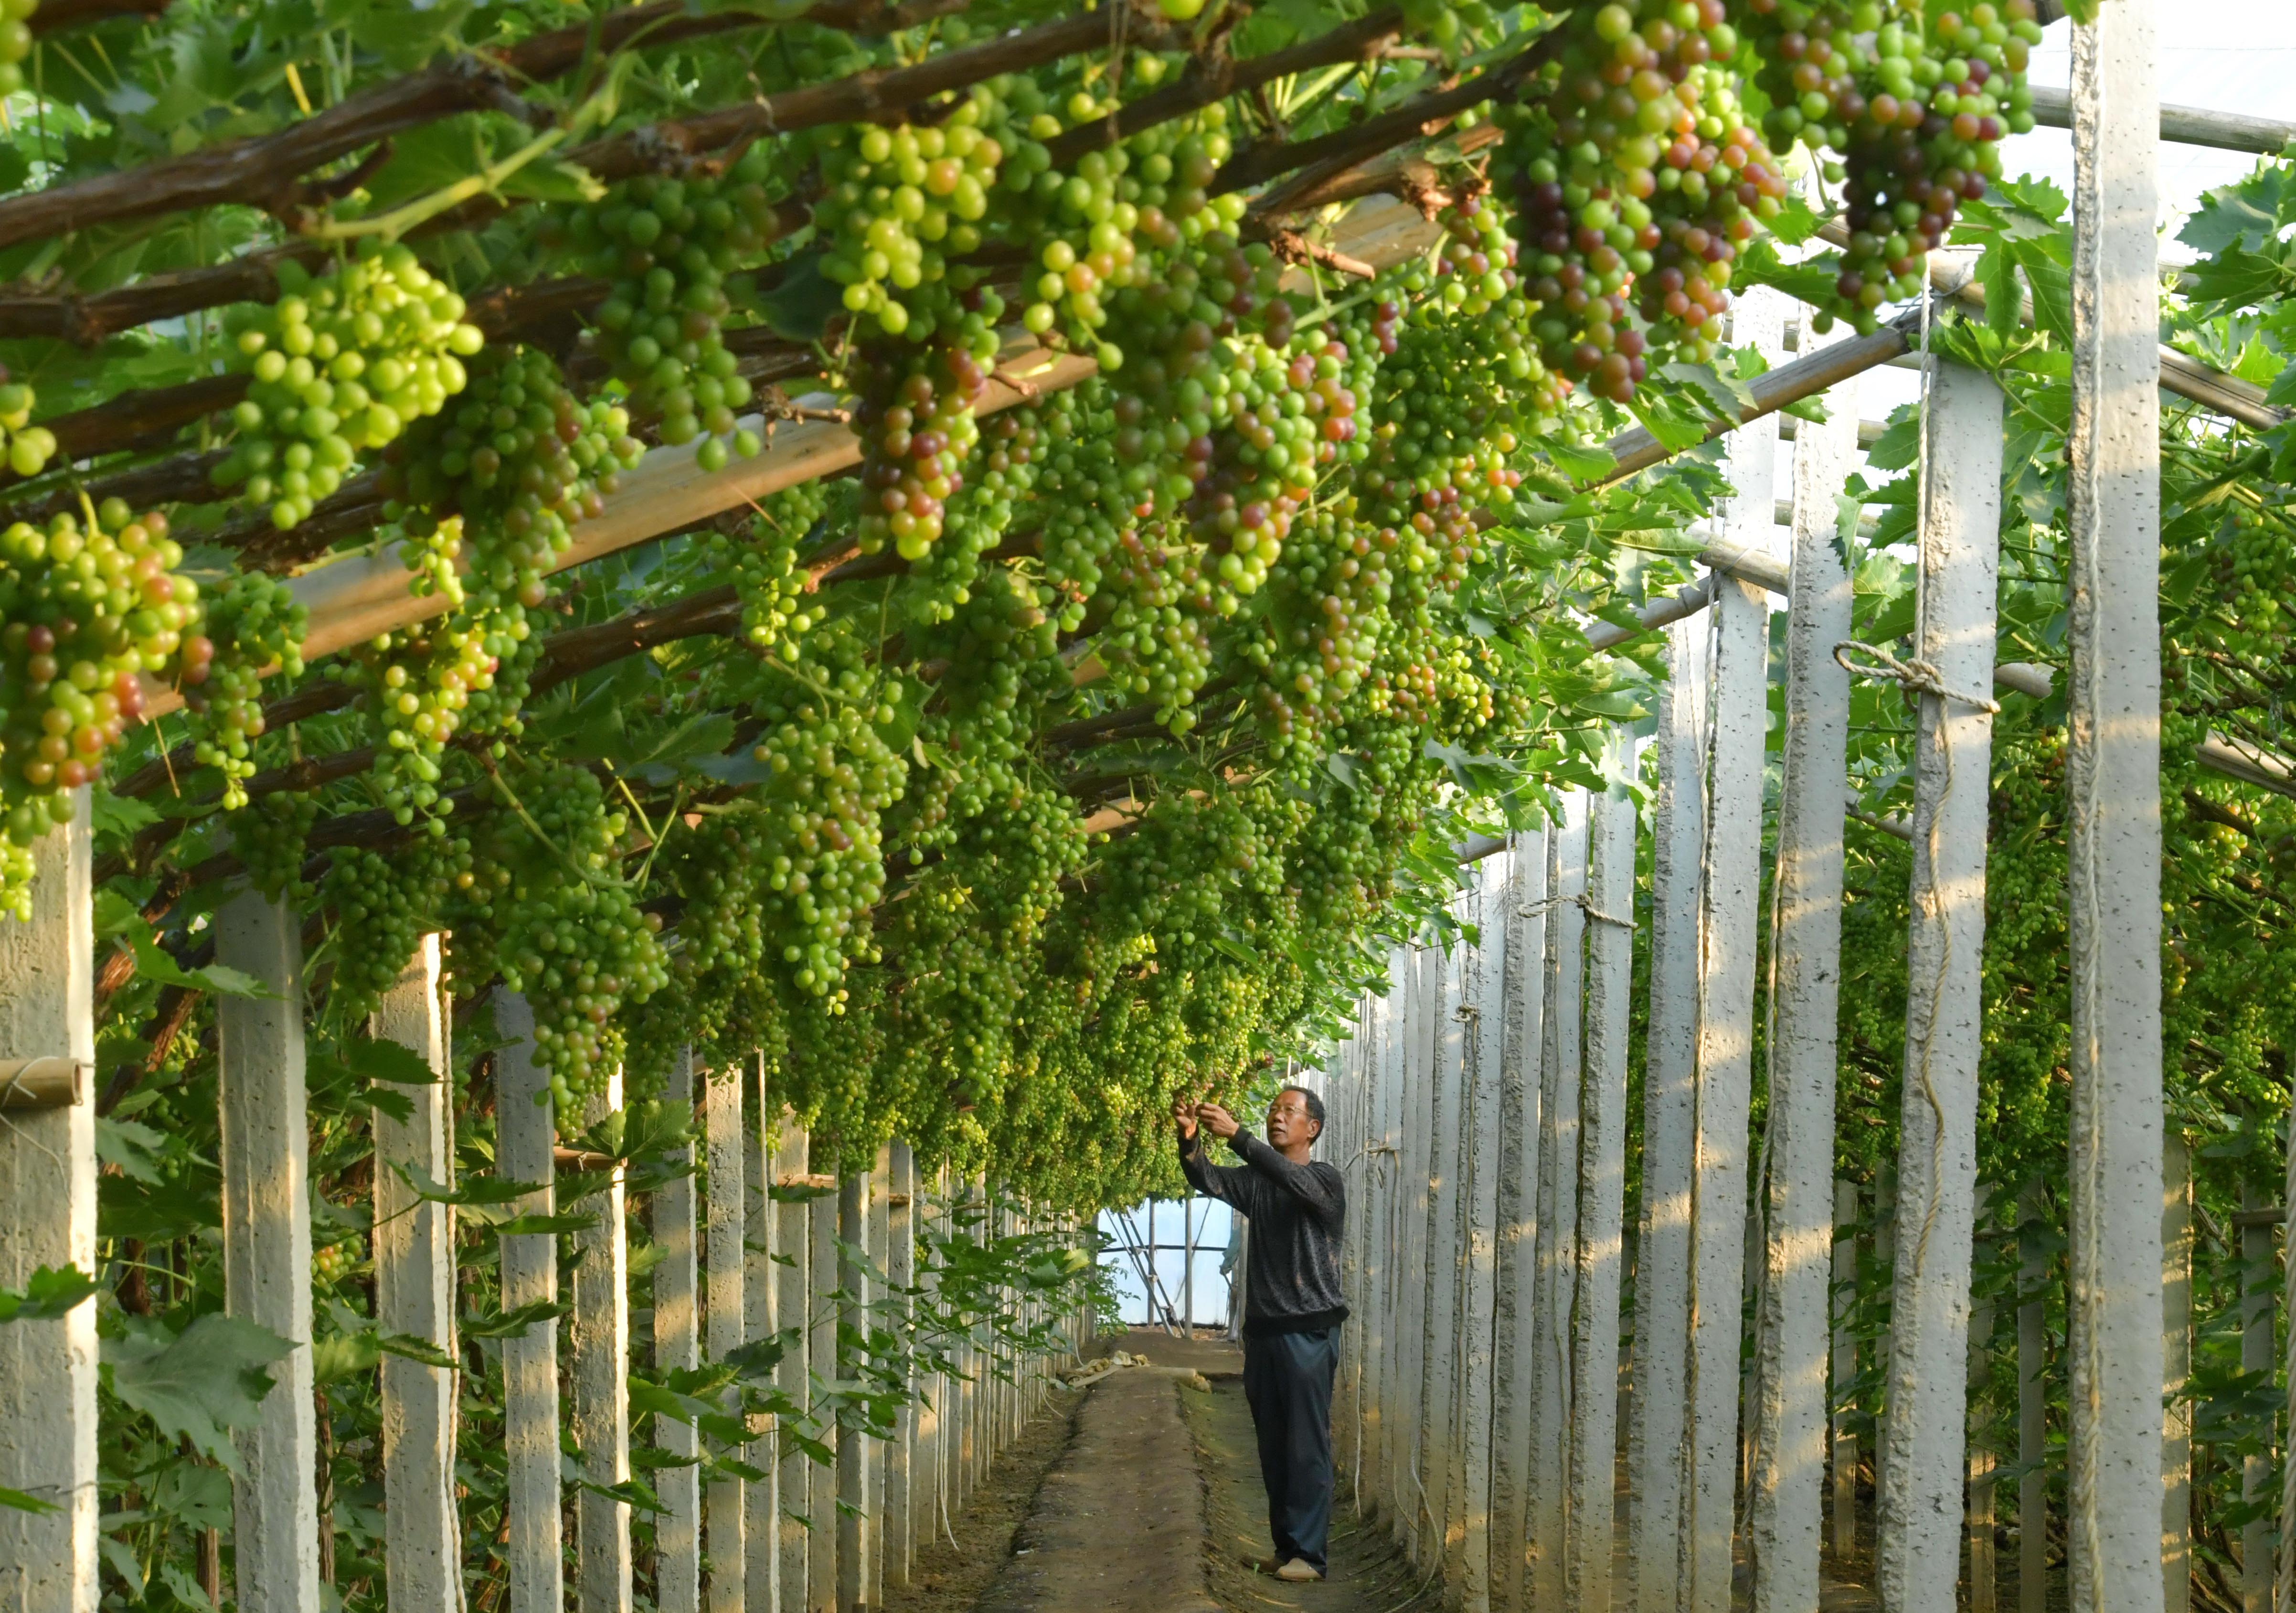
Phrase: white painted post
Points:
(1723, 1092)
(900, 1452)
(1417, 1052)
(414, 1296)
(1558, 1205)
(523, 1138)
(1611, 827)
(600, 1344)
(793, 1242)
(678, 1348)
(1521, 1041)
(1918, 1541)
(1443, 1261)
(1785, 1504)
(852, 1520)
(47, 1218)
(266, 1238)
(880, 1243)
(2257, 1274)
(1478, 1151)
(2032, 1414)
(2175, 1367)
(821, 1354)
(1654, 1459)
(1845, 1369)
(1397, 1500)
(725, 1216)
(2112, 773)
(761, 1309)
(927, 1216)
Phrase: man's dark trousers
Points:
(1287, 1381)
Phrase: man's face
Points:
(1288, 1121)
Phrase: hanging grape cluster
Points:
(667, 247)
(339, 366)
(29, 447)
(255, 628)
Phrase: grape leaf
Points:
(200, 1384)
(49, 1293)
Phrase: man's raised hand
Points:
(1222, 1122)
(1185, 1113)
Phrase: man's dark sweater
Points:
(1297, 1214)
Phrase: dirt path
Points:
(1368, 1573)
(951, 1578)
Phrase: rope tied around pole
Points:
(1583, 902)
(1862, 660)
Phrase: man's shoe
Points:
(1300, 1572)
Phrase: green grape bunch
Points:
(767, 573)
(89, 610)
(29, 447)
(256, 626)
(339, 366)
(668, 248)
(270, 836)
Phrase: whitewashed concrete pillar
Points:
(524, 1136)
(2032, 1408)
(2176, 1368)
(726, 1218)
(678, 1348)
(1612, 824)
(1367, 1210)
(1845, 1369)
(414, 1296)
(600, 1344)
(1918, 1542)
(1785, 1503)
(761, 1313)
(1418, 1054)
(2112, 773)
(2259, 1273)
(1522, 1038)
(1558, 1205)
(1661, 1377)
(880, 1252)
(266, 1239)
(900, 1451)
(822, 1355)
(47, 1218)
(852, 1520)
(793, 1243)
(1395, 1501)
(1444, 1255)
(1723, 1089)
(1478, 1151)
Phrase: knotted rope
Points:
(1862, 660)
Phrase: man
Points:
(1291, 1315)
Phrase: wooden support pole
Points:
(266, 1239)
(2033, 1404)
(761, 1588)
(900, 1278)
(1845, 1369)
(1484, 970)
(1558, 1205)
(1723, 1092)
(726, 1218)
(414, 1296)
(1798, 1254)
(47, 1218)
(600, 1344)
(2175, 1369)
(1613, 822)
(852, 1316)
(1523, 1039)
(1662, 1245)
(523, 1138)
(2112, 773)
(678, 1348)
(2258, 1279)
(1918, 1547)
(793, 1244)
